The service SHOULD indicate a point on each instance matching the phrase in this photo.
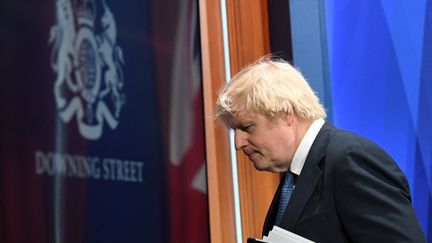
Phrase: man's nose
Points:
(240, 139)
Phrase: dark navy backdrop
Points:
(59, 208)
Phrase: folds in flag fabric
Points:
(187, 171)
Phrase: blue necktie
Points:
(287, 190)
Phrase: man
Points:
(335, 185)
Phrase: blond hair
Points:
(271, 88)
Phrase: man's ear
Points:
(290, 118)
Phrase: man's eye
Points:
(248, 128)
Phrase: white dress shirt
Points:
(302, 151)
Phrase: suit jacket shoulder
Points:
(349, 190)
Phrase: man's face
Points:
(269, 144)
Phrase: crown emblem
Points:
(86, 13)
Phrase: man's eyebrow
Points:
(241, 122)
(242, 125)
(234, 125)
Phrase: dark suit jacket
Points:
(349, 190)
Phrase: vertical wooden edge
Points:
(219, 175)
(265, 27)
(248, 32)
(248, 40)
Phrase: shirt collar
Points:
(302, 151)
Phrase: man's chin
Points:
(266, 168)
(260, 167)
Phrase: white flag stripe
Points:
(200, 180)
(185, 83)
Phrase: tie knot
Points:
(289, 178)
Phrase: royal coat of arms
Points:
(88, 64)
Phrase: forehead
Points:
(248, 118)
(236, 120)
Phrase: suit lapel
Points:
(308, 178)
